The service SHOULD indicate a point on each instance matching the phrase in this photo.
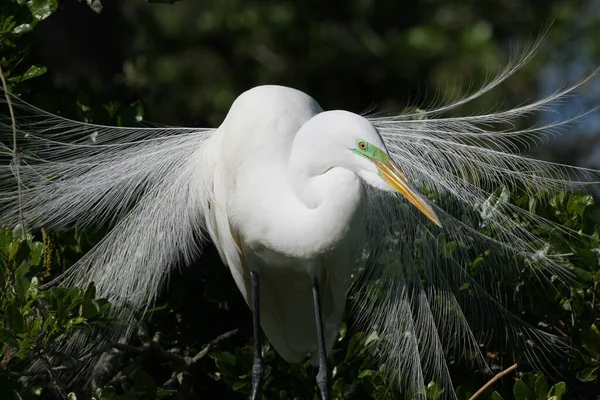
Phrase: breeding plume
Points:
(303, 204)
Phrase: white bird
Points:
(299, 202)
(289, 212)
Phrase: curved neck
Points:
(333, 196)
(310, 171)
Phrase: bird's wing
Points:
(153, 186)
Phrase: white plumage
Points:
(285, 227)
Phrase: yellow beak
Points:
(396, 179)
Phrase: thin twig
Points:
(494, 379)
(213, 343)
(15, 154)
(174, 359)
(131, 349)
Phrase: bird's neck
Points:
(307, 174)
(334, 196)
(308, 170)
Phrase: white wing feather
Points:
(426, 315)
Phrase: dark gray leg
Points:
(258, 369)
(323, 380)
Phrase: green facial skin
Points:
(373, 153)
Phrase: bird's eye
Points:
(362, 145)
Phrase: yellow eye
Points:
(362, 145)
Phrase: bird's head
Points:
(352, 142)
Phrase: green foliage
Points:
(355, 372)
(535, 387)
(32, 321)
(138, 385)
(16, 19)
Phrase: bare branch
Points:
(494, 379)
(181, 365)
(213, 343)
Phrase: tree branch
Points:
(181, 365)
(494, 379)
(213, 343)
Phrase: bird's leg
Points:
(323, 381)
(258, 368)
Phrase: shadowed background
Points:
(188, 61)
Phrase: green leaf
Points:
(23, 269)
(36, 253)
(577, 203)
(6, 238)
(89, 309)
(15, 319)
(32, 291)
(42, 9)
(90, 292)
(582, 274)
(32, 72)
(557, 391)
(354, 345)
(7, 336)
(22, 286)
(588, 375)
(496, 396)
(23, 28)
(433, 392)
(590, 339)
(541, 388)
(223, 356)
(74, 321)
(343, 330)
(366, 372)
(522, 392)
(7, 24)
(373, 337)
(18, 251)
(464, 392)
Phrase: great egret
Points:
(296, 199)
(289, 211)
